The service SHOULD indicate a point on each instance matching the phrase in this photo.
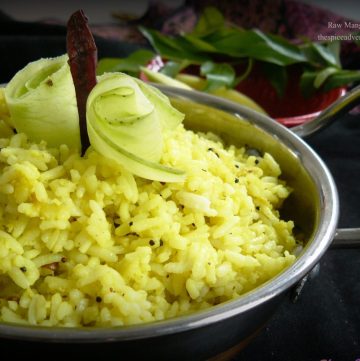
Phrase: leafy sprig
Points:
(225, 45)
(219, 48)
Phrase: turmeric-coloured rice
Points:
(83, 242)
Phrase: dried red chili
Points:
(82, 54)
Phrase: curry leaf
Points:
(172, 68)
(255, 44)
(200, 44)
(215, 42)
(217, 75)
(282, 46)
(322, 54)
(210, 20)
(336, 79)
(130, 65)
(277, 76)
(334, 48)
(342, 77)
(171, 48)
(322, 75)
(307, 83)
(325, 53)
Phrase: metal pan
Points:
(313, 205)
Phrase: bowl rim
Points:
(328, 218)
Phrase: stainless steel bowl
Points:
(313, 205)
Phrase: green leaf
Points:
(327, 55)
(313, 57)
(171, 48)
(334, 48)
(255, 44)
(173, 68)
(342, 77)
(214, 41)
(323, 75)
(282, 46)
(210, 20)
(323, 54)
(307, 82)
(222, 35)
(217, 75)
(334, 80)
(164, 45)
(199, 44)
(130, 65)
(277, 76)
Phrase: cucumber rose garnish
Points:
(126, 119)
(61, 101)
(41, 102)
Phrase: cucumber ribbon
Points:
(42, 103)
(126, 119)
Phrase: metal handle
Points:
(330, 114)
(346, 238)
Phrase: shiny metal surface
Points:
(346, 237)
(314, 205)
(330, 114)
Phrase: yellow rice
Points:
(83, 242)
